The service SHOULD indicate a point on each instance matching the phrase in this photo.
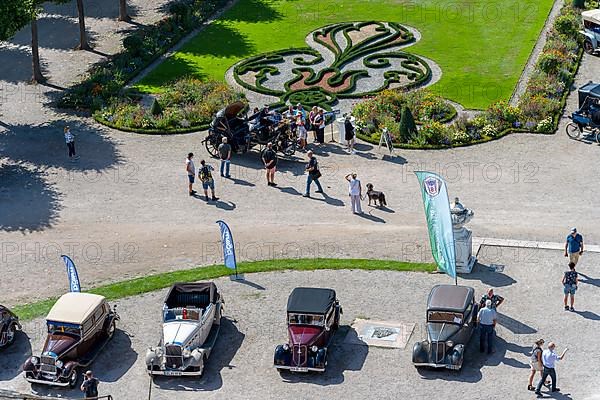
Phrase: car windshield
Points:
(306, 319)
(444, 316)
(55, 328)
(182, 313)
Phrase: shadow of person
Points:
(515, 326)
(327, 199)
(14, 356)
(289, 190)
(485, 274)
(342, 356)
(371, 217)
(228, 343)
(241, 182)
(588, 280)
(224, 205)
(588, 315)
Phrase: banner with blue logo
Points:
(74, 285)
(439, 220)
(228, 246)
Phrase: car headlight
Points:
(35, 360)
(158, 351)
(59, 364)
(314, 349)
(286, 347)
(449, 343)
(186, 352)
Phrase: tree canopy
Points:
(14, 15)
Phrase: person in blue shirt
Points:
(574, 246)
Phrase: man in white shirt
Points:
(191, 172)
(549, 359)
(355, 192)
(487, 322)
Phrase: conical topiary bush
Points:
(408, 128)
(155, 109)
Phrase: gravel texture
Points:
(241, 365)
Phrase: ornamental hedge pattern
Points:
(344, 61)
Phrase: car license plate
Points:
(299, 369)
(172, 373)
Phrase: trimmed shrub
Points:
(155, 109)
(408, 128)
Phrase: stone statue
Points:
(463, 240)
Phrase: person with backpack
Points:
(313, 174)
(535, 362)
(205, 175)
(90, 385)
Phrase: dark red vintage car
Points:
(79, 325)
(313, 316)
(9, 324)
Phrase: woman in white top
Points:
(355, 192)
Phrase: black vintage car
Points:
(451, 319)
(313, 316)
(9, 324)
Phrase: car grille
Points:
(299, 355)
(48, 360)
(48, 364)
(174, 359)
(439, 350)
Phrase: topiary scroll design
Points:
(344, 61)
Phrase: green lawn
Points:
(151, 283)
(481, 47)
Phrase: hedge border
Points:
(143, 131)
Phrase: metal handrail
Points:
(12, 395)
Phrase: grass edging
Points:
(150, 283)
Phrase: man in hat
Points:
(574, 246)
(90, 385)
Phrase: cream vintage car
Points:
(78, 327)
(191, 317)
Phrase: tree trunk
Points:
(35, 54)
(83, 43)
(123, 11)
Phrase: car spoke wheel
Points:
(10, 334)
(598, 136)
(73, 378)
(111, 330)
(572, 130)
(211, 144)
(588, 47)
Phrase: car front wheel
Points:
(73, 378)
(110, 332)
(588, 47)
(10, 334)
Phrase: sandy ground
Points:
(241, 365)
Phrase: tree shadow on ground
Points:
(54, 33)
(44, 146)
(341, 357)
(228, 343)
(14, 356)
(27, 202)
(253, 11)
(485, 274)
(219, 40)
(93, 9)
(15, 67)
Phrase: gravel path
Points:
(241, 366)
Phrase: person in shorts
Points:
(269, 158)
(205, 175)
(535, 362)
(574, 246)
(569, 282)
(190, 170)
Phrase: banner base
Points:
(237, 277)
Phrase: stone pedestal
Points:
(463, 237)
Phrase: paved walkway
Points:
(123, 210)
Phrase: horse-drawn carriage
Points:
(587, 118)
(243, 132)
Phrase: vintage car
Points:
(591, 30)
(451, 319)
(79, 325)
(313, 316)
(9, 324)
(191, 317)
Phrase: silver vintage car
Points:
(591, 30)
(191, 317)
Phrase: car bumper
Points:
(49, 383)
(174, 373)
(299, 369)
(435, 365)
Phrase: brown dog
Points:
(375, 196)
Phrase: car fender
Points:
(197, 357)
(419, 353)
(321, 357)
(69, 367)
(28, 366)
(457, 354)
(281, 354)
(151, 357)
(589, 36)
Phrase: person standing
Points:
(320, 123)
(570, 281)
(301, 130)
(313, 174)
(574, 246)
(269, 158)
(205, 175)
(70, 140)
(311, 119)
(225, 154)
(535, 362)
(355, 192)
(90, 385)
(190, 169)
(487, 322)
(549, 359)
(349, 134)
(496, 299)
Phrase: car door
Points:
(206, 323)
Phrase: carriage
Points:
(587, 118)
(243, 132)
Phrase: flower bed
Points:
(538, 110)
(106, 80)
(188, 105)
